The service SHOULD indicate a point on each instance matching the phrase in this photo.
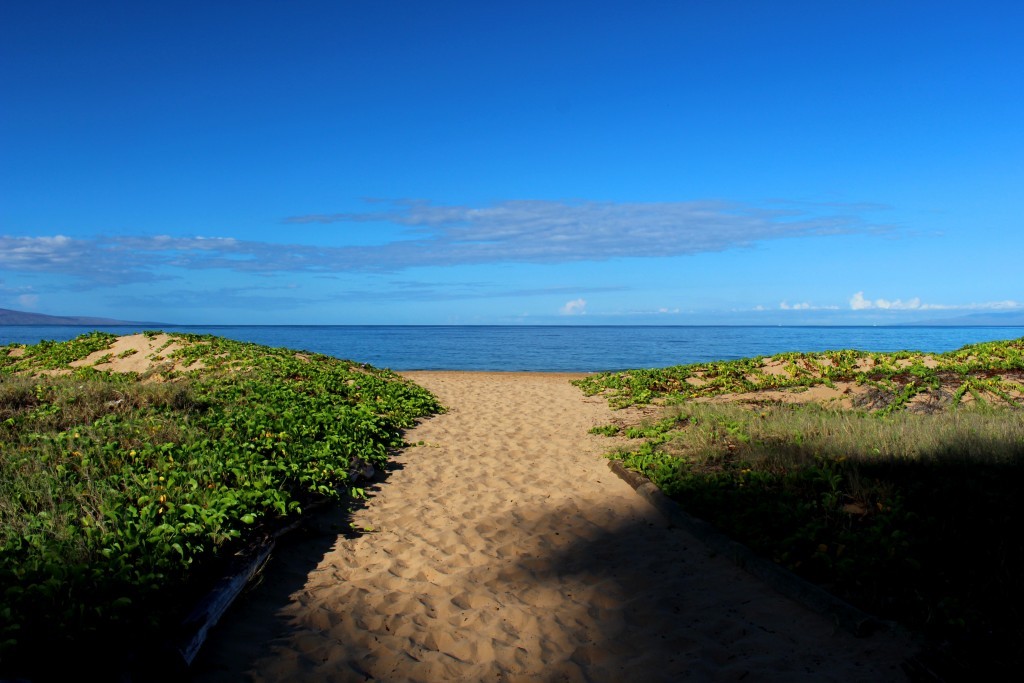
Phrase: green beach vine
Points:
(121, 499)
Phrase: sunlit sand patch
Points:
(864, 364)
(137, 353)
(839, 396)
(776, 368)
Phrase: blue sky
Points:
(512, 162)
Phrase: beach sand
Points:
(503, 548)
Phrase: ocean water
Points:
(555, 348)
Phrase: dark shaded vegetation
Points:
(122, 497)
(907, 509)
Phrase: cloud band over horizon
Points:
(539, 232)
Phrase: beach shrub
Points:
(121, 499)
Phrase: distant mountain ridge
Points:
(10, 317)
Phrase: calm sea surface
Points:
(555, 348)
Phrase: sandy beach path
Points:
(504, 549)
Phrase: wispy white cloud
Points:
(554, 232)
(255, 298)
(89, 262)
(858, 302)
(28, 300)
(803, 306)
(451, 291)
(16, 289)
(543, 232)
(574, 307)
(23, 296)
(636, 313)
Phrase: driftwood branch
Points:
(195, 628)
(210, 609)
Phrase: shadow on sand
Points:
(612, 604)
(255, 618)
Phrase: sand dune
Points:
(504, 549)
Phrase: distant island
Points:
(9, 317)
(988, 319)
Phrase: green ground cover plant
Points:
(121, 495)
(987, 372)
(904, 500)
